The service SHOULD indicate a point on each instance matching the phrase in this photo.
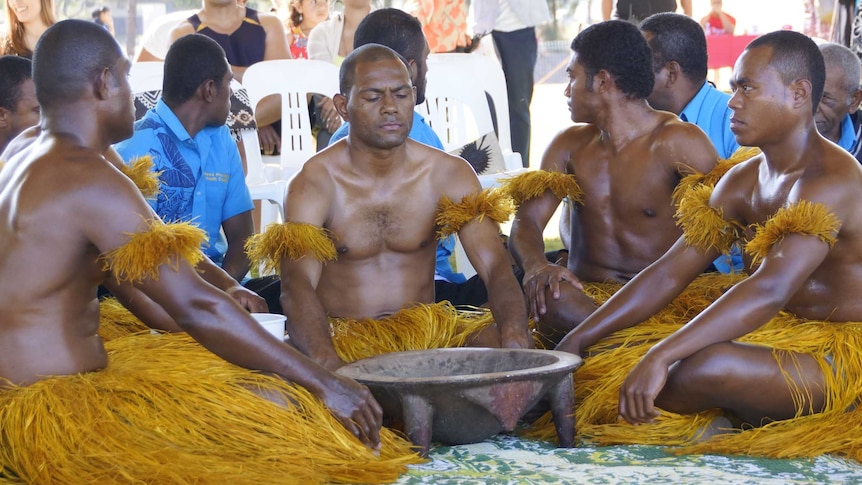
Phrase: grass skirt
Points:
(835, 346)
(166, 410)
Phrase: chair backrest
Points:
(293, 80)
(475, 69)
(146, 76)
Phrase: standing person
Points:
(200, 172)
(368, 209)
(72, 220)
(512, 25)
(790, 330)
(837, 115)
(19, 109)
(636, 10)
(102, 16)
(26, 21)
(717, 21)
(247, 37)
(619, 164)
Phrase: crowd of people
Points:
(711, 246)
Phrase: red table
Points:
(724, 49)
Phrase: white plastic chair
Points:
(457, 108)
(293, 79)
(147, 76)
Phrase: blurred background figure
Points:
(26, 21)
(332, 40)
(444, 23)
(299, 17)
(102, 16)
(637, 10)
(19, 109)
(717, 22)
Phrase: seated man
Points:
(402, 33)
(71, 221)
(362, 221)
(18, 107)
(200, 172)
(837, 116)
(780, 349)
(620, 164)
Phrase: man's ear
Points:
(674, 71)
(207, 90)
(414, 70)
(340, 103)
(103, 84)
(5, 118)
(855, 101)
(801, 89)
(602, 80)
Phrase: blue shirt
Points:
(201, 178)
(848, 134)
(708, 110)
(421, 132)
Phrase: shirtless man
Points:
(18, 107)
(627, 158)
(377, 192)
(810, 266)
(65, 207)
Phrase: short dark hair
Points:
(677, 38)
(68, 57)
(795, 56)
(14, 71)
(362, 54)
(394, 28)
(619, 48)
(191, 61)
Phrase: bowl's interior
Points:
(455, 364)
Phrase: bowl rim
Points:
(566, 362)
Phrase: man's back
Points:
(49, 199)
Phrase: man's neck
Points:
(686, 94)
(189, 115)
(792, 150)
(626, 121)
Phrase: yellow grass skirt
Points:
(166, 410)
(835, 346)
(423, 326)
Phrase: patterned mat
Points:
(505, 460)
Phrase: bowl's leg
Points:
(418, 418)
(562, 397)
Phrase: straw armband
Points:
(712, 177)
(158, 244)
(490, 203)
(704, 227)
(535, 183)
(140, 170)
(803, 217)
(291, 240)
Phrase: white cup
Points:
(272, 322)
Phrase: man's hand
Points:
(548, 277)
(353, 405)
(270, 141)
(640, 389)
(330, 117)
(248, 299)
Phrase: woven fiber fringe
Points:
(597, 382)
(140, 170)
(490, 203)
(802, 217)
(704, 227)
(713, 176)
(117, 321)
(535, 183)
(419, 327)
(167, 411)
(158, 244)
(291, 240)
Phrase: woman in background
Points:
(26, 20)
(301, 17)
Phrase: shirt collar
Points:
(692, 109)
(848, 135)
(171, 121)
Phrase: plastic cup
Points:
(272, 322)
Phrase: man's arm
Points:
(308, 201)
(742, 309)
(208, 315)
(526, 241)
(237, 230)
(607, 9)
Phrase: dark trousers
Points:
(518, 52)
